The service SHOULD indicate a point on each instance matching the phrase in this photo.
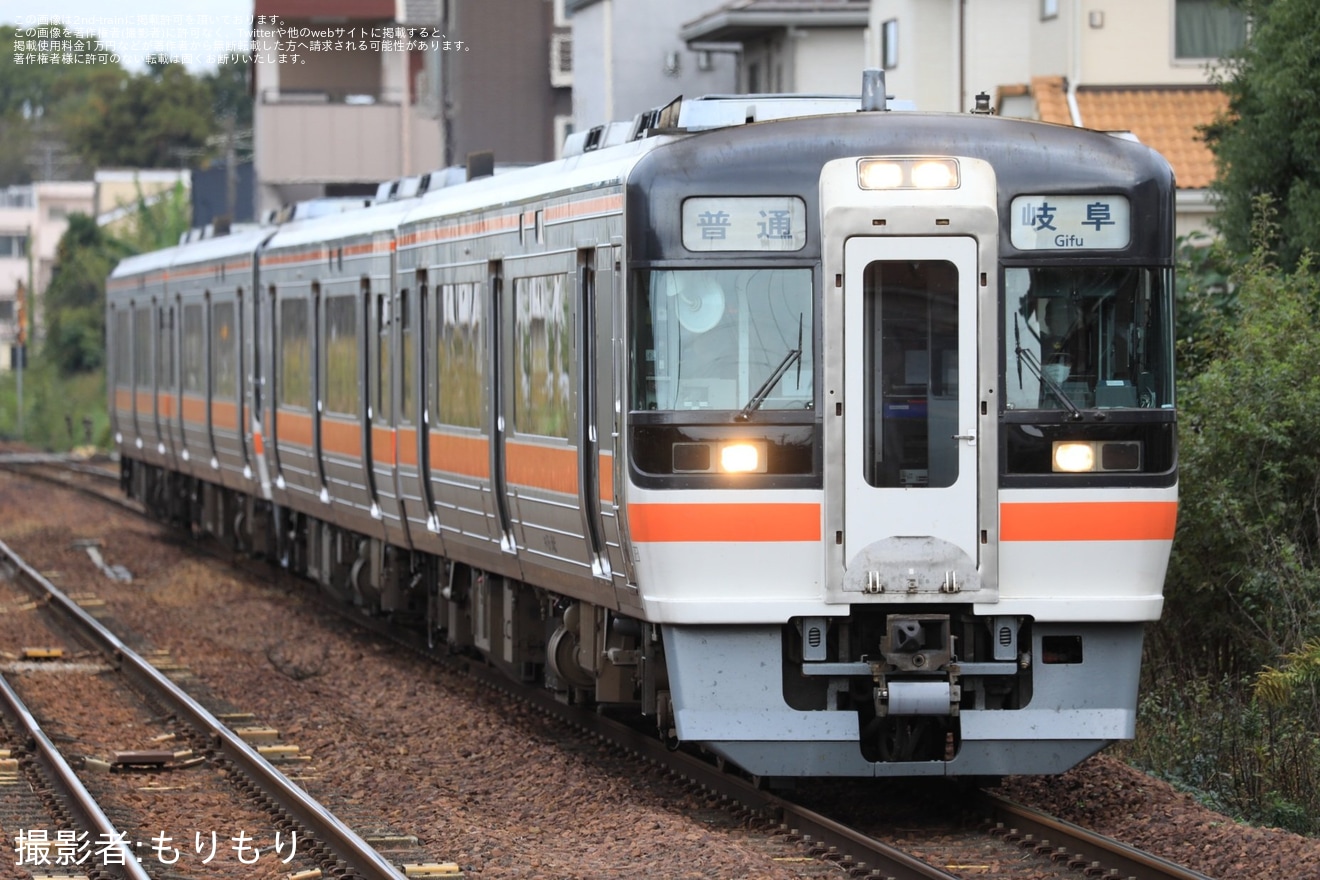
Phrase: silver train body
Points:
(836, 442)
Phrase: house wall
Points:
(621, 55)
(1130, 42)
(828, 61)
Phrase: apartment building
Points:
(32, 220)
(1140, 66)
(353, 92)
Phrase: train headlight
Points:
(874, 174)
(1092, 456)
(1074, 458)
(938, 174)
(742, 458)
(907, 173)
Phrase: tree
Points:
(1246, 563)
(229, 91)
(157, 119)
(34, 97)
(1268, 143)
(75, 299)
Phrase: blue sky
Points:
(201, 28)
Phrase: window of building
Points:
(1207, 29)
(13, 245)
(1049, 9)
(889, 44)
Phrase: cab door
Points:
(910, 420)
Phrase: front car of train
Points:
(901, 437)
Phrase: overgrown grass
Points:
(54, 408)
(1257, 763)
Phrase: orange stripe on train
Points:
(1088, 521)
(665, 523)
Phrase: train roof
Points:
(381, 217)
(579, 172)
(736, 143)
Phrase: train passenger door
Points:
(595, 483)
(318, 388)
(178, 436)
(166, 383)
(910, 446)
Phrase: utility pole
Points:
(20, 306)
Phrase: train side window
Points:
(295, 358)
(194, 350)
(123, 352)
(461, 353)
(224, 350)
(142, 346)
(543, 354)
(341, 355)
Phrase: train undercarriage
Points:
(885, 691)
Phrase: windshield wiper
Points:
(768, 385)
(1028, 357)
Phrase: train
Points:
(833, 438)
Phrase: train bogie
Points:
(839, 445)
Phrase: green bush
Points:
(1210, 737)
(54, 406)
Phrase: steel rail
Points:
(324, 826)
(86, 810)
(1080, 845)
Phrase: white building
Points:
(1143, 66)
(32, 221)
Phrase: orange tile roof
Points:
(1051, 101)
(1165, 118)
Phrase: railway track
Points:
(995, 838)
(330, 847)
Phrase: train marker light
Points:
(911, 173)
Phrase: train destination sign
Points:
(759, 223)
(1065, 223)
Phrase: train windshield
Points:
(1088, 338)
(724, 339)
